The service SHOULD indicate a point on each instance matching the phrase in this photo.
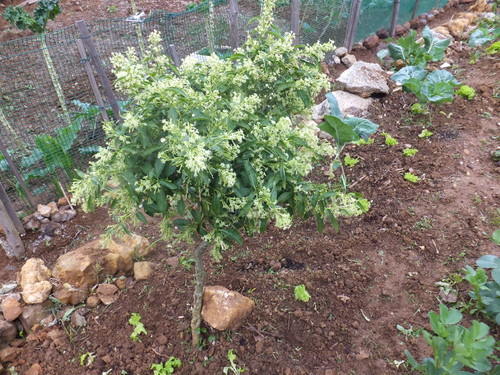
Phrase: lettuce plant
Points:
(217, 148)
(466, 92)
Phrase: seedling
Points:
(232, 366)
(419, 109)
(409, 332)
(496, 237)
(425, 134)
(410, 152)
(411, 177)
(186, 262)
(87, 359)
(166, 368)
(389, 140)
(301, 293)
(362, 142)
(350, 162)
(466, 92)
(135, 321)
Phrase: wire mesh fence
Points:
(50, 119)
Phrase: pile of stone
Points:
(47, 216)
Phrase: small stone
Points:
(49, 228)
(78, 320)
(62, 202)
(63, 216)
(400, 30)
(225, 309)
(53, 207)
(121, 282)
(44, 210)
(35, 369)
(33, 314)
(383, 33)
(371, 42)
(162, 339)
(172, 261)
(276, 266)
(144, 270)
(47, 320)
(69, 295)
(7, 288)
(32, 224)
(8, 332)
(107, 293)
(106, 358)
(349, 60)
(355, 324)
(336, 60)
(11, 308)
(341, 52)
(9, 354)
(93, 301)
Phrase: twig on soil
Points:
(360, 179)
(437, 250)
(364, 316)
(158, 354)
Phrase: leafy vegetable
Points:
(466, 92)
(236, 370)
(390, 140)
(414, 53)
(350, 162)
(166, 368)
(135, 321)
(425, 133)
(411, 177)
(483, 35)
(410, 152)
(493, 49)
(301, 293)
(46, 10)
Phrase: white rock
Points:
(364, 79)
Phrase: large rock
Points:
(33, 314)
(69, 295)
(34, 282)
(8, 332)
(224, 309)
(349, 104)
(371, 41)
(9, 354)
(107, 293)
(11, 308)
(364, 79)
(81, 267)
(144, 270)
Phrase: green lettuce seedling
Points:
(166, 368)
(301, 293)
(135, 321)
(466, 92)
(493, 49)
(389, 140)
(350, 162)
(410, 152)
(425, 134)
(411, 177)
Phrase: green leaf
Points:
(488, 261)
(339, 130)
(362, 127)
(440, 92)
(480, 36)
(285, 86)
(334, 105)
(442, 76)
(434, 47)
(232, 235)
(141, 217)
(409, 72)
(250, 172)
(181, 208)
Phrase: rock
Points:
(62, 202)
(35, 369)
(62, 216)
(33, 314)
(9, 354)
(348, 60)
(7, 288)
(8, 332)
(349, 104)
(143, 270)
(481, 6)
(49, 228)
(78, 320)
(32, 224)
(414, 24)
(93, 301)
(37, 293)
(107, 293)
(371, 42)
(400, 30)
(383, 33)
(133, 245)
(33, 271)
(45, 322)
(58, 337)
(69, 295)
(364, 79)
(121, 282)
(172, 261)
(53, 207)
(421, 22)
(224, 309)
(336, 60)
(340, 52)
(44, 210)
(11, 308)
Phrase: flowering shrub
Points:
(217, 147)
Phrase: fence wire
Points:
(50, 123)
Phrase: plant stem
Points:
(54, 78)
(198, 292)
(5, 123)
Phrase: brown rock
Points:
(400, 30)
(32, 224)
(172, 261)
(78, 320)
(414, 24)
(62, 202)
(371, 42)
(121, 282)
(11, 308)
(8, 332)
(93, 301)
(44, 210)
(224, 309)
(69, 295)
(35, 369)
(37, 293)
(133, 245)
(9, 354)
(383, 33)
(33, 271)
(33, 314)
(58, 337)
(62, 216)
(107, 293)
(53, 207)
(144, 270)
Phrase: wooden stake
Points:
(233, 20)
(415, 10)
(295, 20)
(14, 246)
(94, 56)
(173, 53)
(395, 14)
(353, 24)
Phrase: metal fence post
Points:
(295, 21)
(173, 53)
(395, 14)
(94, 56)
(353, 24)
(233, 19)
(415, 10)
